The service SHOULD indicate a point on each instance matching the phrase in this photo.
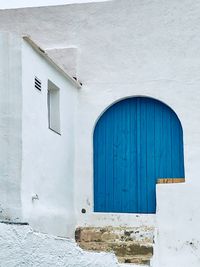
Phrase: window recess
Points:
(53, 100)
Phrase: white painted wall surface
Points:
(10, 127)
(48, 158)
(20, 246)
(178, 236)
(129, 48)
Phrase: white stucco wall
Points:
(137, 56)
(10, 127)
(177, 241)
(48, 158)
(130, 48)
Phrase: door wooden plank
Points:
(136, 141)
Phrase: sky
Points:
(34, 3)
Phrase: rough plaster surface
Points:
(130, 48)
(178, 237)
(66, 58)
(10, 127)
(20, 246)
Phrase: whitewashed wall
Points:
(139, 49)
(130, 48)
(177, 241)
(48, 158)
(10, 127)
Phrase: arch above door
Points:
(136, 141)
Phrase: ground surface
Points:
(21, 246)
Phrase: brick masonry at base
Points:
(130, 245)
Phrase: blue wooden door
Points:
(136, 141)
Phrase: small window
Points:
(53, 99)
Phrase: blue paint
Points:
(136, 141)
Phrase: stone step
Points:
(130, 245)
(132, 265)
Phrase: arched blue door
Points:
(136, 141)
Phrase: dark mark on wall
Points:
(14, 223)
